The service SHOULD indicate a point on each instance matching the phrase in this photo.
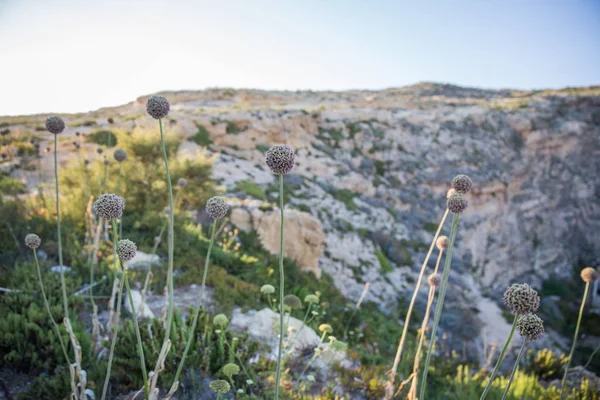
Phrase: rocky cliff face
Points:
(373, 168)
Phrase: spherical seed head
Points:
(109, 206)
(267, 289)
(3, 155)
(462, 183)
(33, 241)
(106, 161)
(216, 207)
(55, 125)
(434, 280)
(311, 299)
(521, 299)
(219, 386)
(77, 133)
(231, 369)
(280, 159)
(325, 328)
(126, 250)
(442, 242)
(531, 326)
(110, 120)
(99, 150)
(220, 320)
(182, 182)
(589, 275)
(120, 155)
(292, 301)
(157, 107)
(457, 203)
(86, 161)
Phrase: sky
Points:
(80, 55)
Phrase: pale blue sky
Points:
(71, 56)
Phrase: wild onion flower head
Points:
(311, 299)
(216, 207)
(531, 326)
(521, 299)
(182, 182)
(338, 345)
(77, 146)
(231, 369)
(109, 206)
(280, 159)
(220, 320)
(126, 250)
(106, 162)
(33, 241)
(589, 275)
(110, 120)
(434, 280)
(157, 107)
(77, 133)
(442, 242)
(462, 183)
(457, 203)
(86, 161)
(325, 328)
(267, 289)
(220, 386)
(120, 155)
(55, 125)
(292, 301)
(3, 155)
(74, 142)
(99, 150)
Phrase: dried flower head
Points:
(531, 326)
(462, 183)
(434, 280)
(292, 301)
(280, 159)
(216, 207)
(521, 299)
(109, 206)
(110, 120)
(157, 107)
(220, 320)
(311, 299)
(267, 289)
(55, 125)
(126, 250)
(325, 328)
(106, 162)
(3, 155)
(182, 182)
(120, 155)
(86, 161)
(220, 386)
(442, 242)
(457, 203)
(231, 369)
(33, 241)
(77, 133)
(99, 150)
(589, 274)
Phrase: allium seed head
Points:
(462, 183)
(109, 206)
(311, 299)
(216, 207)
(292, 301)
(434, 280)
(220, 320)
(99, 150)
(325, 328)
(442, 242)
(106, 162)
(120, 155)
(457, 203)
(267, 289)
(110, 121)
(521, 299)
(77, 133)
(157, 107)
(86, 161)
(589, 274)
(280, 159)
(33, 241)
(182, 182)
(55, 125)
(220, 386)
(126, 250)
(530, 326)
(231, 369)
(3, 155)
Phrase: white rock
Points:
(143, 311)
(142, 259)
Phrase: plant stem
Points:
(390, 383)
(119, 193)
(500, 359)
(60, 257)
(316, 353)
(515, 368)
(592, 356)
(440, 305)
(564, 380)
(192, 331)
(281, 290)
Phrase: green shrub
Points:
(251, 189)
(102, 138)
(385, 264)
(201, 137)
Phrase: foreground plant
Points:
(521, 299)
(216, 208)
(588, 275)
(220, 387)
(120, 156)
(280, 160)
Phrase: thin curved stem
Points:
(500, 359)
(316, 353)
(440, 306)
(514, 371)
(281, 290)
(592, 356)
(119, 193)
(60, 255)
(564, 380)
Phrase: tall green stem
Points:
(564, 380)
(192, 331)
(119, 193)
(281, 290)
(60, 256)
(514, 371)
(500, 359)
(439, 307)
